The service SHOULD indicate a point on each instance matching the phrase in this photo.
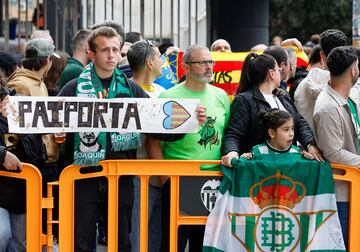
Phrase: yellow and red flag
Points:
(227, 69)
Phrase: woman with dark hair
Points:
(259, 91)
(52, 78)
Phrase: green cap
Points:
(43, 47)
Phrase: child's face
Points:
(282, 137)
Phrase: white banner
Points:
(31, 114)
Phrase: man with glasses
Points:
(206, 143)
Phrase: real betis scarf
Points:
(275, 203)
(91, 148)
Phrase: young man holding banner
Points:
(101, 79)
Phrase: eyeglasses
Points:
(149, 45)
(202, 63)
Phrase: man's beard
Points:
(203, 78)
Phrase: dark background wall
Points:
(244, 23)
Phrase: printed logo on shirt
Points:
(208, 133)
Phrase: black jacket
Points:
(28, 148)
(246, 130)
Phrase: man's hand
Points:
(201, 114)
(4, 105)
(11, 162)
(172, 49)
(292, 42)
(313, 150)
(226, 160)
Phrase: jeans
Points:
(343, 212)
(12, 231)
(154, 218)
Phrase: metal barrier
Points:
(34, 204)
(113, 169)
(351, 175)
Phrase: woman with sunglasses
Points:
(259, 91)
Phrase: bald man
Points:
(258, 48)
(220, 45)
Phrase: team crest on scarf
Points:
(208, 133)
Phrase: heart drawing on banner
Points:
(176, 115)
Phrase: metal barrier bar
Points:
(45, 14)
(113, 169)
(154, 19)
(161, 22)
(178, 23)
(123, 13)
(49, 219)
(351, 175)
(113, 196)
(144, 208)
(142, 17)
(189, 20)
(38, 14)
(19, 24)
(172, 21)
(130, 15)
(34, 237)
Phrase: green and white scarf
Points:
(89, 85)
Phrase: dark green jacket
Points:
(71, 71)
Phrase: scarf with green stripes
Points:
(90, 147)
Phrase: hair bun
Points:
(263, 114)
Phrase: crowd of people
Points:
(316, 117)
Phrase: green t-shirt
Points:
(71, 71)
(206, 143)
(355, 119)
